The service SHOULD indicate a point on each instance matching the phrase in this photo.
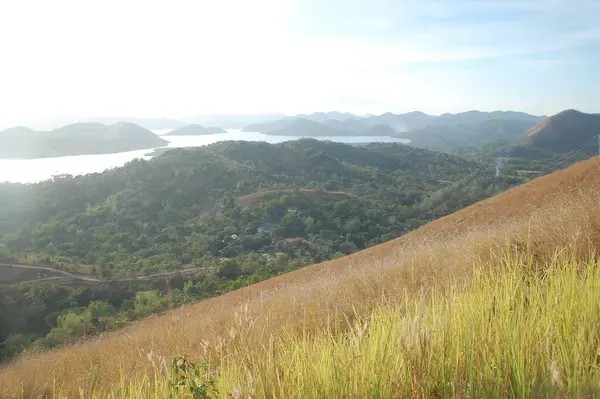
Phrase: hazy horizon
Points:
(71, 59)
(53, 123)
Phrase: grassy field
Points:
(498, 300)
(524, 330)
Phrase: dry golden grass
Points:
(522, 329)
(561, 210)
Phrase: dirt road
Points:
(64, 275)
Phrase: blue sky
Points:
(539, 56)
(177, 58)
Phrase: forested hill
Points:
(180, 207)
(225, 215)
(76, 139)
(457, 138)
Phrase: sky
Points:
(63, 59)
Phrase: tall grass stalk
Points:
(519, 330)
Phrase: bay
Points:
(35, 170)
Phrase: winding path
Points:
(73, 276)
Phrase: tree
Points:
(342, 208)
(69, 326)
(353, 225)
(292, 225)
(309, 222)
(99, 312)
(348, 247)
(146, 302)
(229, 269)
(5, 254)
(14, 345)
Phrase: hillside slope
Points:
(458, 136)
(76, 139)
(301, 127)
(349, 124)
(148, 123)
(566, 131)
(306, 128)
(477, 117)
(176, 209)
(555, 211)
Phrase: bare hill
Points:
(566, 131)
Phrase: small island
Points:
(76, 139)
(196, 130)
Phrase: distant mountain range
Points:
(265, 127)
(148, 123)
(327, 116)
(402, 122)
(564, 132)
(453, 136)
(302, 127)
(476, 117)
(306, 128)
(231, 121)
(562, 139)
(76, 139)
(195, 130)
(353, 125)
(399, 123)
(571, 134)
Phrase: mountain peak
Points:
(565, 131)
(77, 139)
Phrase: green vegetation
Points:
(453, 138)
(181, 210)
(497, 300)
(516, 159)
(237, 212)
(517, 146)
(301, 127)
(47, 315)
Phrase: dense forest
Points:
(236, 212)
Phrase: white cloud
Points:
(153, 58)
